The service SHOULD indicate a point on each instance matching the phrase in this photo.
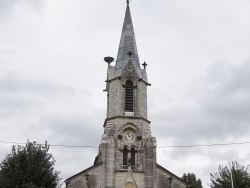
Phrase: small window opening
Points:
(133, 156)
(129, 96)
(125, 156)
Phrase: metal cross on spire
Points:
(144, 65)
(130, 54)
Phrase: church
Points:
(127, 152)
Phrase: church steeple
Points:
(127, 152)
(127, 44)
(126, 81)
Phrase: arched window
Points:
(129, 96)
(133, 156)
(125, 156)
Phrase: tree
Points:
(222, 178)
(190, 179)
(29, 166)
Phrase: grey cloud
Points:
(220, 109)
(229, 102)
(38, 4)
(12, 83)
(6, 51)
(73, 128)
(21, 105)
(6, 6)
(228, 155)
(19, 96)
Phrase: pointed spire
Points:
(127, 45)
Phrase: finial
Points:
(130, 54)
(144, 65)
(128, 1)
(108, 59)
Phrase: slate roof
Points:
(127, 44)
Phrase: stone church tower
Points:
(127, 153)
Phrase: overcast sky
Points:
(52, 77)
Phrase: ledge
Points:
(125, 117)
(119, 77)
(126, 170)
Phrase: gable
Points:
(163, 180)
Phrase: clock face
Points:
(129, 136)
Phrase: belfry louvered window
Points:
(125, 156)
(129, 96)
(133, 156)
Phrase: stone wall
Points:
(115, 99)
(91, 177)
(141, 100)
(162, 179)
